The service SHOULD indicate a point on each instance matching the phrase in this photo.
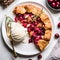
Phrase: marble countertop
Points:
(5, 53)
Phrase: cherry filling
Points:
(34, 25)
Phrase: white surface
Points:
(4, 52)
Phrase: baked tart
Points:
(37, 23)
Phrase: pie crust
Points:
(42, 43)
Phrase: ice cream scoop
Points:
(18, 32)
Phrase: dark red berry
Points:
(38, 19)
(29, 30)
(36, 29)
(50, 1)
(16, 19)
(35, 23)
(59, 25)
(39, 56)
(57, 6)
(53, 4)
(34, 35)
(25, 24)
(35, 41)
(21, 18)
(29, 59)
(56, 35)
(38, 37)
(55, 0)
(57, 3)
(30, 40)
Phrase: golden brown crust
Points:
(19, 9)
(47, 24)
(43, 16)
(33, 9)
(47, 35)
(42, 44)
(29, 8)
(40, 25)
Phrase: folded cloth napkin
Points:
(55, 54)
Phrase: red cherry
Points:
(53, 4)
(38, 19)
(57, 3)
(39, 56)
(35, 23)
(30, 41)
(59, 25)
(36, 29)
(29, 59)
(37, 38)
(35, 41)
(21, 18)
(29, 29)
(57, 6)
(22, 21)
(34, 35)
(39, 32)
(50, 1)
(56, 35)
(24, 24)
(16, 19)
(32, 26)
(40, 37)
(55, 0)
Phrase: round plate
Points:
(25, 48)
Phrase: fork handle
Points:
(14, 53)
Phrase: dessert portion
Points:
(17, 31)
(37, 23)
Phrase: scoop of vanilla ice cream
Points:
(17, 32)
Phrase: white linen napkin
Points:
(55, 54)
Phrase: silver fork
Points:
(9, 35)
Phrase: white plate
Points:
(25, 48)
